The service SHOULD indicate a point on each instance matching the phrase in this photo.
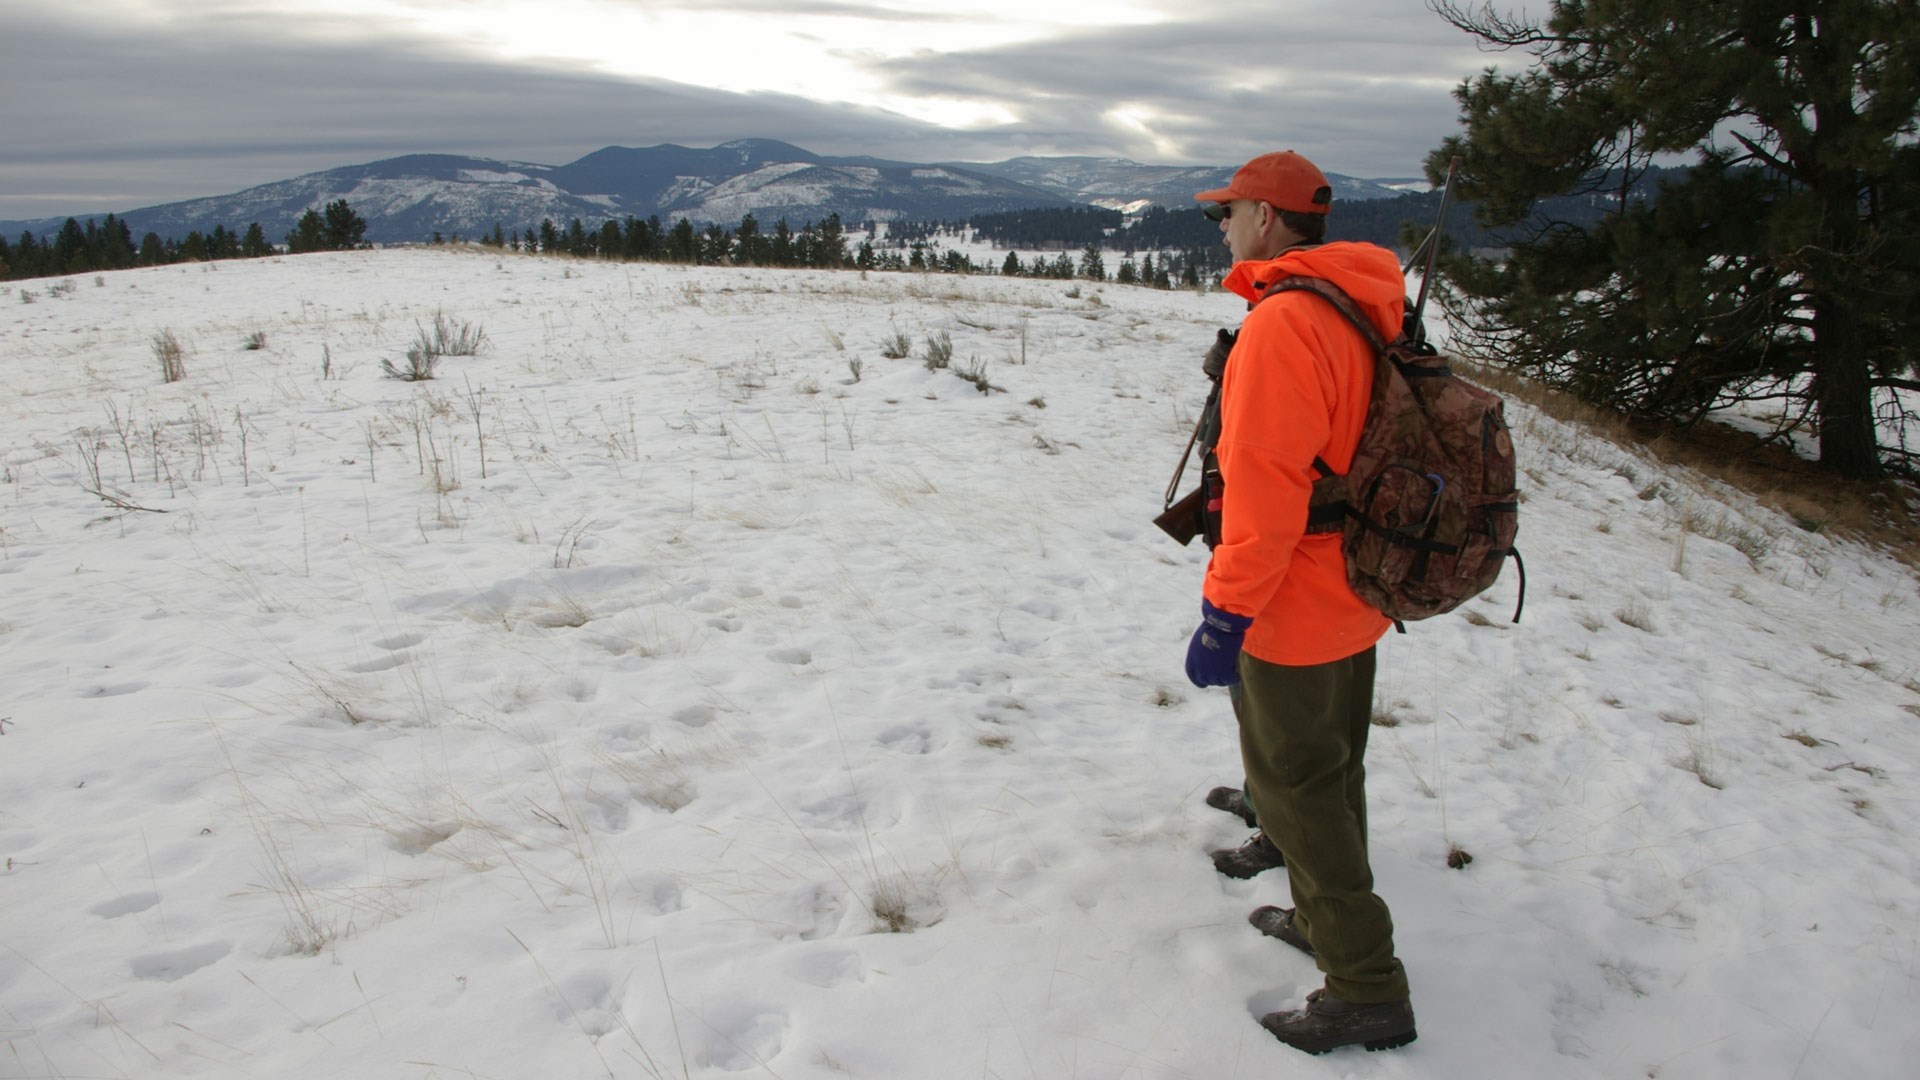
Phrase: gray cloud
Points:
(797, 8)
(123, 118)
(1363, 94)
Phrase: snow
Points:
(619, 741)
(489, 176)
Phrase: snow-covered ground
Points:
(650, 696)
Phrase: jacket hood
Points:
(1367, 272)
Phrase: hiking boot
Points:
(1277, 922)
(1328, 1023)
(1256, 855)
(1234, 801)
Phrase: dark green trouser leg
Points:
(1303, 739)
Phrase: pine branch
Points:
(1897, 384)
(1767, 156)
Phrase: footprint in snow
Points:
(130, 904)
(115, 689)
(907, 740)
(829, 968)
(179, 963)
(742, 1036)
(791, 656)
(695, 716)
(384, 663)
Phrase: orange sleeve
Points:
(1277, 415)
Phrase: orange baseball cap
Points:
(1285, 180)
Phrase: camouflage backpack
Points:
(1429, 507)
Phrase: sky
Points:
(139, 102)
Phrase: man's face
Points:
(1240, 229)
(1252, 229)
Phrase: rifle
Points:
(1187, 518)
(1429, 249)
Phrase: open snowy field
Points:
(654, 694)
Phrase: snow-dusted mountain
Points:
(413, 197)
(1120, 184)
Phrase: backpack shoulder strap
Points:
(1335, 295)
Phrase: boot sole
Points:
(1389, 1042)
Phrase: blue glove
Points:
(1213, 656)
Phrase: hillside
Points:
(409, 199)
(681, 688)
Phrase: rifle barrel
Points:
(1432, 249)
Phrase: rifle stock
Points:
(1185, 519)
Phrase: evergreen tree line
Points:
(1050, 227)
(824, 246)
(821, 246)
(81, 249)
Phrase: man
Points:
(1280, 625)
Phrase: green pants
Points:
(1303, 739)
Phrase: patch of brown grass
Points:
(1884, 513)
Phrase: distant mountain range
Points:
(411, 198)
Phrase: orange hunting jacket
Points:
(1295, 388)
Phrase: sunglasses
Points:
(1217, 211)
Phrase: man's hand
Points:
(1213, 656)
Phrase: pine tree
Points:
(1011, 267)
(29, 257)
(116, 241)
(749, 247)
(1092, 266)
(781, 252)
(70, 249)
(344, 230)
(833, 243)
(715, 244)
(309, 234)
(681, 243)
(1784, 263)
(254, 244)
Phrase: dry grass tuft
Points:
(172, 356)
